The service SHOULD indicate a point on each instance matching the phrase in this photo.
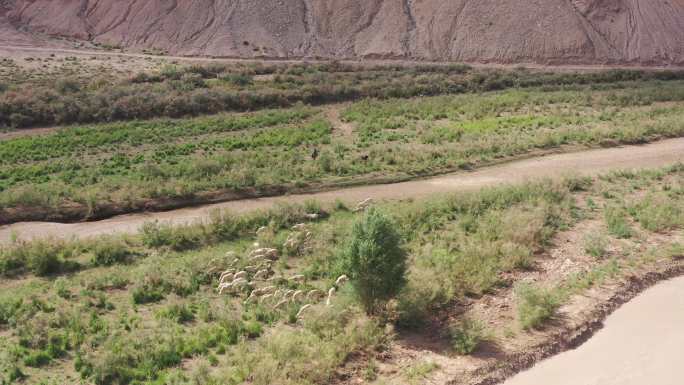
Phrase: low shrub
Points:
(595, 244)
(616, 220)
(179, 313)
(108, 252)
(467, 335)
(535, 305)
(147, 293)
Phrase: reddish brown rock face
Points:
(504, 31)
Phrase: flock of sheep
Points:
(260, 272)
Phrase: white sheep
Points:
(299, 227)
(331, 293)
(314, 295)
(252, 298)
(297, 278)
(298, 296)
(301, 311)
(280, 304)
(363, 205)
(226, 278)
(267, 290)
(261, 274)
(265, 298)
(341, 280)
(312, 217)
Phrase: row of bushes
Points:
(183, 93)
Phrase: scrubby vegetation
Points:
(374, 260)
(92, 171)
(144, 308)
(177, 91)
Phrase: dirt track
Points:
(585, 163)
(635, 347)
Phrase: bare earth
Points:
(646, 32)
(636, 347)
(584, 163)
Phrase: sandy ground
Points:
(583, 163)
(140, 61)
(641, 343)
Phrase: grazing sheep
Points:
(298, 296)
(226, 278)
(229, 271)
(312, 217)
(266, 265)
(297, 278)
(265, 298)
(331, 293)
(235, 285)
(314, 295)
(301, 311)
(266, 252)
(280, 304)
(363, 205)
(261, 274)
(299, 227)
(252, 298)
(267, 290)
(341, 280)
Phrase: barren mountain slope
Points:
(546, 31)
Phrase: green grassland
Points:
(143, 308)
(89, 171)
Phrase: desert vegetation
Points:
(146, 308)
(181, 90)
(91, 171)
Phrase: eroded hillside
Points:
(643, 32)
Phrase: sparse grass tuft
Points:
(535, 305)
(467, 335)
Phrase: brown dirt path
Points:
(590, 162)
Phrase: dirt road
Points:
(591, 162)
(641, 343)
(18, 51)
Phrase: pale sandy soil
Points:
(641, 343)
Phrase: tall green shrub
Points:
(374, 260)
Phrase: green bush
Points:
(147, 293)
(177, 312)
(535, 305)
(616, 220)
(44, 259)
(108, 252)
(374, 260)
(595, 244)
(467, 335)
